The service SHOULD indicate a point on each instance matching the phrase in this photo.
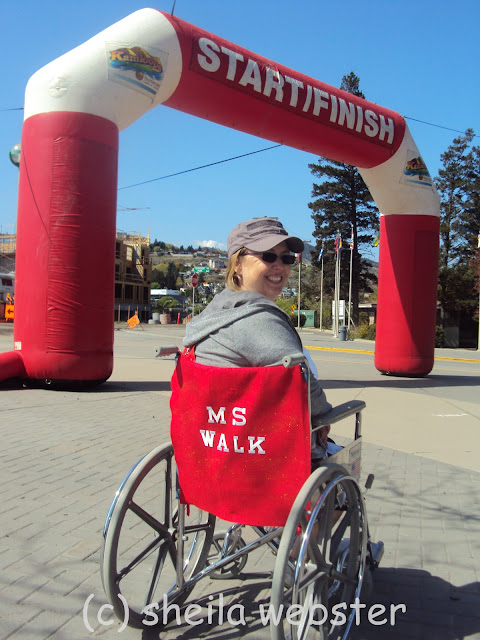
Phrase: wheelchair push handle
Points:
(166, 351)
(293, 360)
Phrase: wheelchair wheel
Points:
(139, 552)
(321, 559)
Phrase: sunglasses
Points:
(271, 257)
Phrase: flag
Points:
(338, 244)
(299, 258)
(133, 321)
(320, 255)
(376, 241)
(352, 240)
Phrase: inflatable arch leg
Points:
(65, 257)
(407, 294)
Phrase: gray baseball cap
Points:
(261, 234)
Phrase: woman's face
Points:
(263, 277)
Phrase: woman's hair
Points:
(231, 277)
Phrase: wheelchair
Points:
(158, 543)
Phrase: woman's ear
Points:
(238, 271)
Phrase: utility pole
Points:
(299, 273)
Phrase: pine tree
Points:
(470, 217)
(458, 187)
(342, 204)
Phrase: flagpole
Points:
(321, 294)
(335, 294)
(338, 245)
(478, 252)
(298, 305)
(350, 285)
(338, 290)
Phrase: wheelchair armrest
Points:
(339, 413)
(166, 351)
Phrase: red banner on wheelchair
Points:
(241, 438)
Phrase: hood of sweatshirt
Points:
(227, 307)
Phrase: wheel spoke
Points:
(148, 518)
(140, 557)
(325, 522)
(342, 526)
(156, 570)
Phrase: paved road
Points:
(64, 454)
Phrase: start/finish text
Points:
(253, 76)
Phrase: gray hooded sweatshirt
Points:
(246, 329)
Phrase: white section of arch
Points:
(391, 190)
(79, 80)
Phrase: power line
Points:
(439, 126)
(120, 208)
(203, 166)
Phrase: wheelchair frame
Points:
(322, 553)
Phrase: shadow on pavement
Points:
(240, 604)
(114, 386)
(417, 384)
(435, 608)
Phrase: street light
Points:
(14, 155)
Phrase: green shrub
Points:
(294, 320)
(366, 331)
(439, 337)
(362, 318)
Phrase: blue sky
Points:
(420, 59)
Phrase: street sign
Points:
(194, 280)
(201, 269)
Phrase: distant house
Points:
(215, 263)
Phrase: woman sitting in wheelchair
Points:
(242, 326)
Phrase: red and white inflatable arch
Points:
(75, 107)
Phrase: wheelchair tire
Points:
(139, 548)
(321, 559)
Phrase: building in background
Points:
(7, 276)
(8, 245)
(133, 276)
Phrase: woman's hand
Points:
(323, 435)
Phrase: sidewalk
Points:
(64, 455)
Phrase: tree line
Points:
(343, 206)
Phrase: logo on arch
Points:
(136, 68)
